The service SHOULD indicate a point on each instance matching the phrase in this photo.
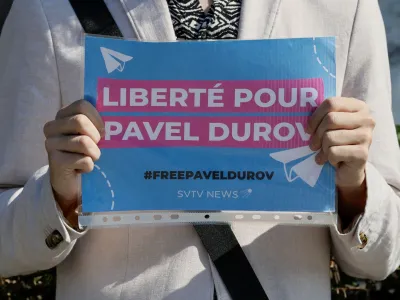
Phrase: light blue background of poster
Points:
(216, 60)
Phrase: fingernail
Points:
(102, 132)
(313, 146)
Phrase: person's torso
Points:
(159, 262)
(170, 263)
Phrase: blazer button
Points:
(364, 240)
(54, 239)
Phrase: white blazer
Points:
(41, 70)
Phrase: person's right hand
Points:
(71, 144)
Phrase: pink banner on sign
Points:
(301, 95)
(175, 131)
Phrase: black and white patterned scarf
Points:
(192, 23)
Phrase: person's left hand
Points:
(342, 129)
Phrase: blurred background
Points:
(391, 14)
(41, 286)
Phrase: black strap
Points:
(231, 262)
(219, 240)
(5, 7)
(95, 17)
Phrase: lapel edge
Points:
(258, 18)
(150, 19)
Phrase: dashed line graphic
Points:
(320, 62)
(109, 185)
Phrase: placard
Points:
(207, 130)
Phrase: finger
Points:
(335, 121)
(357, 136)
(85, 108)
(355, 154)
(321, 158)
(80, 144)
(72, 161)
(75, 125)
(336, 104)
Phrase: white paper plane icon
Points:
(114, 60)
(308, 170)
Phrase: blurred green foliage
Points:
(345, 287)
(38, 286)
(398, 132)
(41, 286)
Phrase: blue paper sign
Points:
(208, 126)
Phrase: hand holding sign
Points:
(342, 129)
(71, 144)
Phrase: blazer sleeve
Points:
(33, 235)
(371, 248)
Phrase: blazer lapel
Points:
(150, 19)
(257, 18)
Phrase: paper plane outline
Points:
(114, 60)
(306, 169)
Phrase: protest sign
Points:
(216, 126)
